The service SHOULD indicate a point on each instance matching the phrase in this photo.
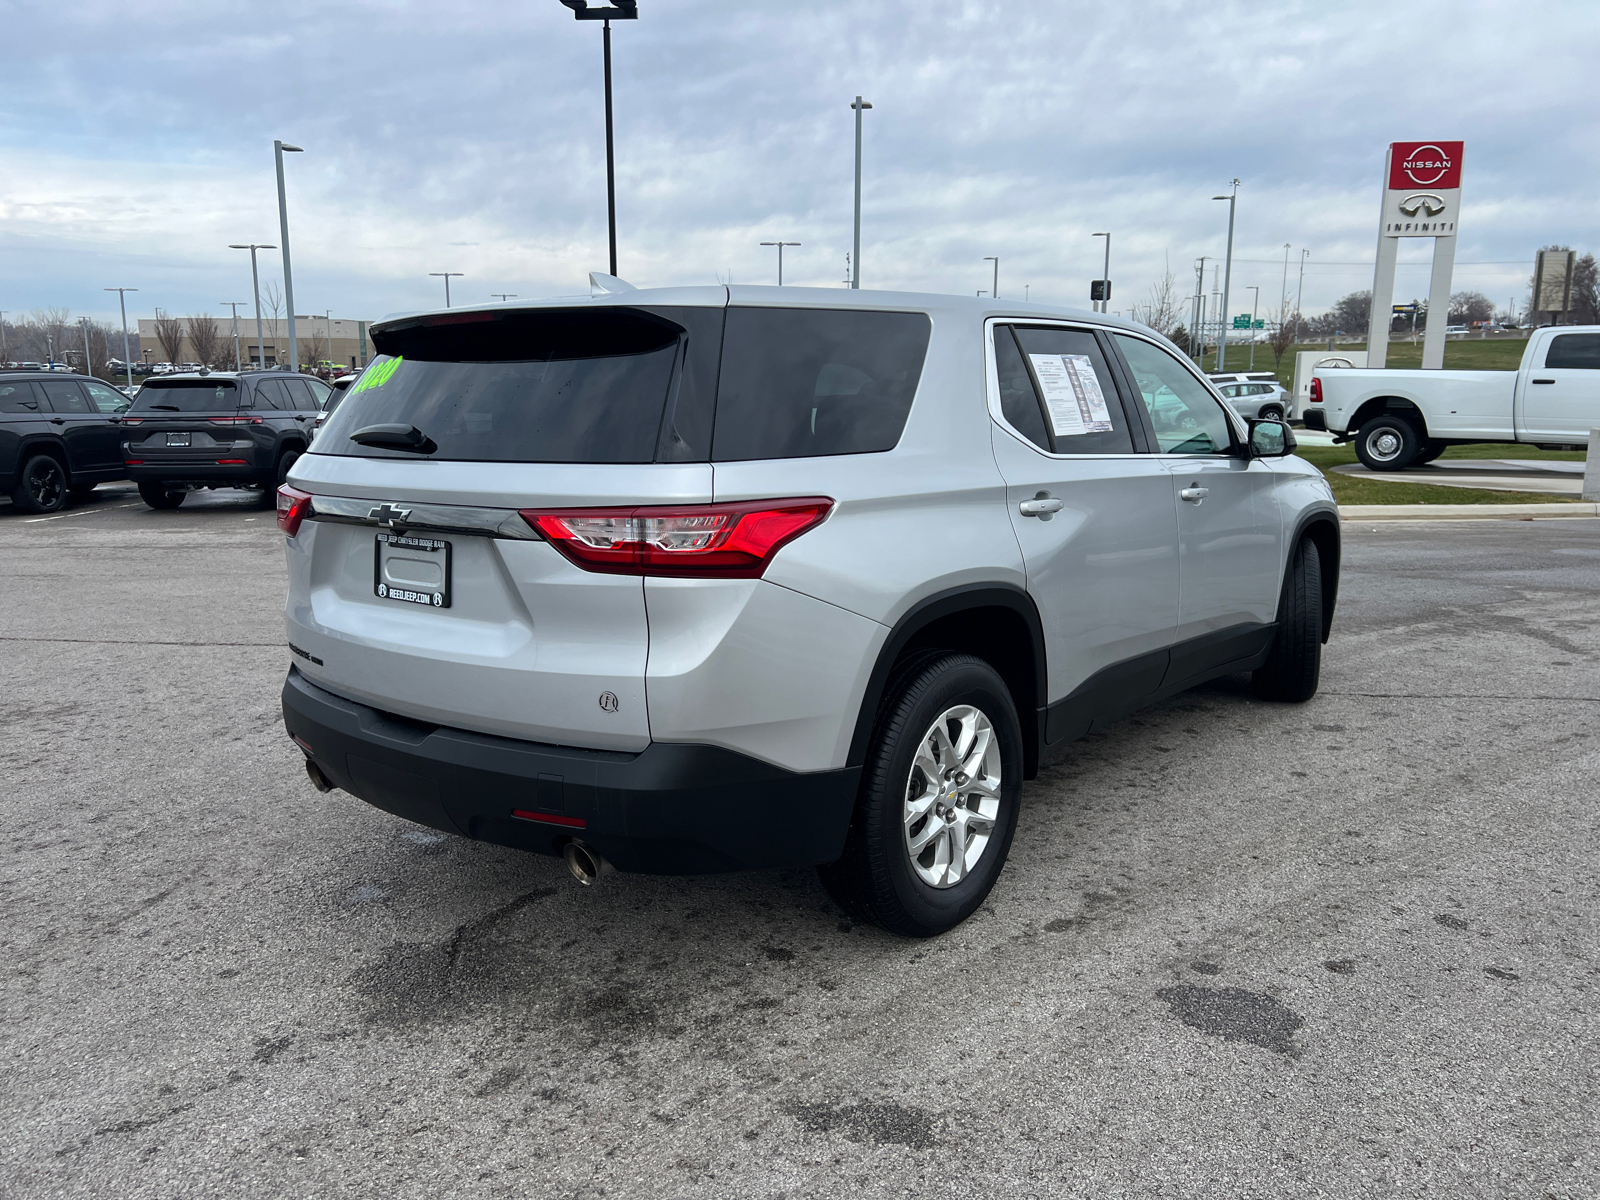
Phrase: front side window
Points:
(1187, 418)
(107, 400)
(798, 383)
(1573, 352)
(1073, 380)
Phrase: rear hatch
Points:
(415, 584)
(187, 422)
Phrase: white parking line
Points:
(83, 512)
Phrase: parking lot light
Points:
(255, 283)
(279, 149)
(780, 246)
(860, 107)
(1227, 278)
(122, 300)
(623, 10)
(447, 276)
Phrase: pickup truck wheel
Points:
(1431, 449)
(1295, 661)
(938, 800)
(41, 486)
(157, 496)
(1388, 443)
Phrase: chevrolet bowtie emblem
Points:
(389, 516)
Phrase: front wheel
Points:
(1294, 665)
(1272, 413)
(41, 485)
(938, 801)
(1388, 443)
(157, 496)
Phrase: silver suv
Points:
(706, 579)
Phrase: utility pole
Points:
(1255, 304)
(279, 149)
(238, 365)
(1283, 293)
(780, 246)
(1300, 294)
(1197, 337)
(122, 300)
(447, 276)
(995, 259)
(860, 107)
(1227, 280)
(88, 367)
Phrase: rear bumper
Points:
(1315, 418)
(672, 809)
(204, 471)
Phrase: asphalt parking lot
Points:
(1344, 949)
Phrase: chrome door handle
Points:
(1195, 494)
(1041, 505)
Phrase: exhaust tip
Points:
(318, 780)
(586, 866)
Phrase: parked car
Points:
(1253, 395)
(340, 386)
(218, 430)
(1397, 418)
(704, 579)
(59, 437)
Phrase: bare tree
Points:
(169, 332)
(205, 338)
(1469, 308)
(272, 301)
(50, 337)
(1161, 309)
(1282, 335)
(313, 347)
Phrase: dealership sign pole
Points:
(1421, 198)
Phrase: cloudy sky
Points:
(136, 143)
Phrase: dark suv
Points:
(218, 430)
(59, 436)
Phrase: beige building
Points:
(341, 341)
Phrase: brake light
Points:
(1316, 390)
(294, 506)
(234, 420)
(230, 462)
(133, 420)
(133, 462)
(727, 541)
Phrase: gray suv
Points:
(706, 579)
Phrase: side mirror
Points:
(1271, 439)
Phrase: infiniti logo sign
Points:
(1425, 203)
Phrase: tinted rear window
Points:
(797, 382)
(606, 385)
(186, 395)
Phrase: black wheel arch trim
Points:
(34, 443)
(949, 603)
(1323, 525)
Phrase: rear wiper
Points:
(395, 437)
(167, 407)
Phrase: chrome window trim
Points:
(435, 518)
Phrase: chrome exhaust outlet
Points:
(318, 780)
(585, 864)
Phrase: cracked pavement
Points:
(1241, 949)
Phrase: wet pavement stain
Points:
(1341, 966)
(1235, 1015)
(1205, 968)
(1450, 921)
(884, 1124)
(1498, 973)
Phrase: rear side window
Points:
(64, 396)
(1574, 352)
(1018, 401)
(799, 383)
(1073, 379)
(18, 398)
(186, 395)
(273, 393)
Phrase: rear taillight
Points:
(294, 506)
(728, 541)
(234, 420)
(1316, 390)
(133, 420)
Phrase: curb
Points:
(1465, 512)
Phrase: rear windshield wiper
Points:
(165, 407)
(395, 437)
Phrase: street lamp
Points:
(1105, 279)
(279, 149)
(122, 300)
(860, 107)
(1254, 304)
(1227, 280)
(623, 10)
(503, 296)
(1300, 292)
(1197, 335)
(446, 276)
(780, 246)
(255, 283)
(238, 366)
(995, 259)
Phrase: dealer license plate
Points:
(412, 570)
(177, 439)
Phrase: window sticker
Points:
(1072, 394)
(378, 374)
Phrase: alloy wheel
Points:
(46, 483)
(952, 796)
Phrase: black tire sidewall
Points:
(903, 901)
(1411, 443)
(22, 497)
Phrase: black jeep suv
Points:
(218, 430)
(60, 435)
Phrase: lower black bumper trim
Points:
(671, 809)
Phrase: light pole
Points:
(446, 276)
(1227, 280)
(995, 259)
(860, 106)
(279, 149)
(238, 366)
(1254, 305)
(122, 300)
(1300, 293)
(328, 317)
(623, 10)
(1195, 332)
(780, 246)
(88, 367)
(1105, 279)
(255, 283)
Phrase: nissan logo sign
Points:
(1427, 161)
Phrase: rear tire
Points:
(41, 486)
(158, 497)
(1294, 664)
(1272, 413)
(1388, 443)
(938, 803)
(269, 491)
(1431, 449)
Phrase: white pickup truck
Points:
(1400, 418)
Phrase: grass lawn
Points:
(1357, 489)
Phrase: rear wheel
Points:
(156, 495)
(1431, 449)
(269, 491)
(41, 486)
(938, 800)
(1272, 413)
(1388, 443)
(1294, 665)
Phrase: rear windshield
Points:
(186, 395)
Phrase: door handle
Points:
(58, 420)
(1195, 494)
(1041, 505)
(1544, 381)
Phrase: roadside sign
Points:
(1242, 321)
(1406, 308)
(1100, 289)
